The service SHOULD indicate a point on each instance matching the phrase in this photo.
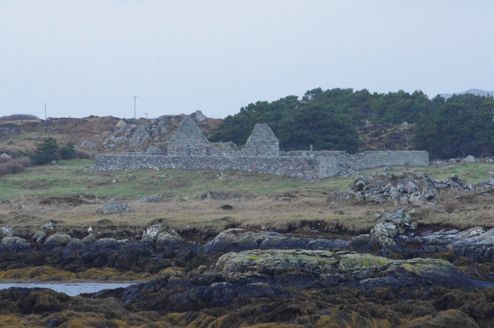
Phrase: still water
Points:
(69, 288)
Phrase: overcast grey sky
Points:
(85, 57)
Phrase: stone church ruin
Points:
(189, 149)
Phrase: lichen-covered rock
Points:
(114, 208)
(38, 236)
(89, 239)
(265, 264)
(75, 242)
(13, 240)
(147, 238)
(243, 239)
(14, 245)
(57, 240)
(392, 224)
(169, 240)
(106, 242)
(235, 240)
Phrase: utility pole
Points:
(135, 106)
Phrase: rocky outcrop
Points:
(409, 187)
(57, 240)
(237, 240)
(114, 208)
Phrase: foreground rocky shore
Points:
(397, 275)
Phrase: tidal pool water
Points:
(69, 288)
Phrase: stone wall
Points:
(295, 167)
(304, 167)
(370, 159)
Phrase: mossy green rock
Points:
(269, 263)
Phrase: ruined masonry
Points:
(189, 149)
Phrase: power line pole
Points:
(135, 106)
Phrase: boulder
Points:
(200, 117)
(121, 124)
(75, 242)
(140, 136)
(89, 239)
(13, 240)
(147, 238)
(2, 200)
(469, 159)
(107, 242)
(169, 240)
(6, 231)
(38, 236)
(57, 240)
(114, 208)
(155, 229)
(235, 240)
(235, 266)
(384, 232)
(150, 199)
(47, 226)
(14, 245)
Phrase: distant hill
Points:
(471, 91)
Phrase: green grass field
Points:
(72, 178)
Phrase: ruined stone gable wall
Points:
(262, 142)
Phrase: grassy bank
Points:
(71, 178)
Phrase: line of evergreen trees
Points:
(329, 119)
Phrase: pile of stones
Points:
(384, 232)
(404, 188)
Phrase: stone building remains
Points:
(189, 149)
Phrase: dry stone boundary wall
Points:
(313, 166)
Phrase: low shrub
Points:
(18, 117)
(450, 206)
(15, 165)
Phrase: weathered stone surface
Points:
(47, 226)
(114, 208)
(57, 240)
(147, 238)
(169, 240)
(200, 117)
(189, 141)
(150, 199)
(262, 142)
(154, 230)
(404, 188)
(6, 231)
(13, 240)
(38, 236)
(140, 136)
(242, 239)
(89, 239)
(384, 233)
(233, 240)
